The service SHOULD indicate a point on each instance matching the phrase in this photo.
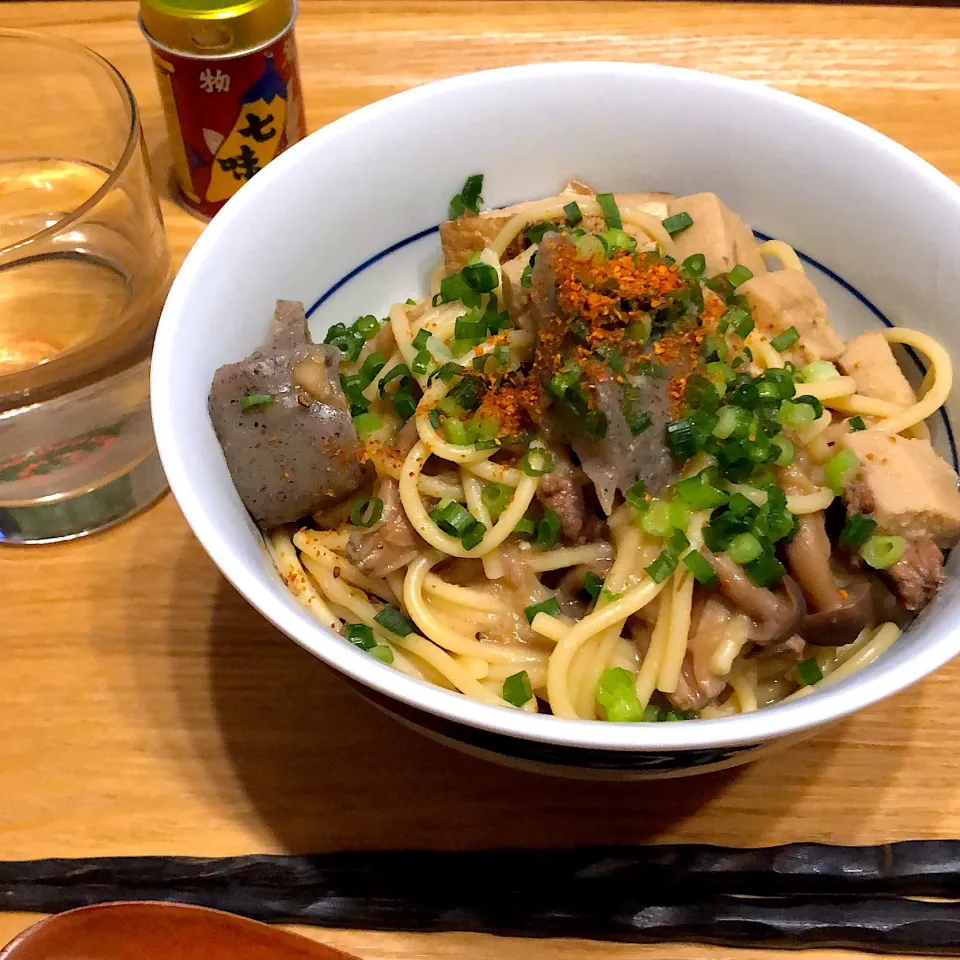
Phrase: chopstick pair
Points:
(793, 896)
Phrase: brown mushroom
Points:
(776, 615)
(840, 624)
(838, 615)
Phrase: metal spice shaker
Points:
(230, 86)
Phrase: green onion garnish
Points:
(466, 394)
(455, 432)
(392, 620)
(367, 423)
(857, 424)
(637, 331)
(368, 327)
(809, 672)
(677, 223)
(635, 495)
(468, 198)
(473, 536)
(681, 438)
(400, 370)
(592, 584)
(818, 371)
(548, 529)
(639, 423)
(617, 694)
(882, 552)
(535, 232)
(434, 417)
(525, 527)
(784, 341)
(421, 361)
(550, 607)
(856, 531)
(361, 635)
(454, 288)
(452, 517)
(700, 567)
(695, 265)
(786, 452)
(678, 542)
(618, 239)
(700, 493)
(656, 519)
(467, 328)
(840, 469)
(480, 277)
(496, 497)
(537, 462)
(420, 340)
(371, 367)
(365, 513)
(793, 414)
(739, 274)
(572, 210)
(517, 689)
(254, 400)
(743, 548)
(609, 208)
(383, 653)
(404, 404)
(765, 570)
(662, 567)
(739, 320)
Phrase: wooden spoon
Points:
(160, 931)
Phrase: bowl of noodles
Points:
(591, 418)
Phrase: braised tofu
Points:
(870, 361)
(906, 486)
(786, 298)
(718, 233)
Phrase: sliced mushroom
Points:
(838, 615)
(840, 624)
(777, 615)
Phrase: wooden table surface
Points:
(147, 709)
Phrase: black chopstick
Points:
(791, 896)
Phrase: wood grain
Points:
(147, 709)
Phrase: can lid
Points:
(214, 28)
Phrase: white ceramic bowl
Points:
(348, 218)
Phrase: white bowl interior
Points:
(866, 209)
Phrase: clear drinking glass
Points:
(84, 270)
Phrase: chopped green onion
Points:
(368, 327)
(786, 452)
(783, 381)
(856, 531)
(480, 277)
(590, 246)
(371, 367)
(517, 688)
(404, 404)
(739, 320)
(679, 514)
(793, 414)
(468, 198)
(400, 370)
(700, 567)
(526, 278)
(857, 424)
(548, 529)
(455, 287)
(537, 462)
(474, 536)
(681, 438)
(525, 527)
(549, 606)
(699, 493)
(732, 421)
(420, 340)
(361, 635)
(638, 331)
(608, 205)
(367, 423)
(572, 210)
(255, 400)
(593, 585)
(635, 495)
(677, 223)
(466, 394)
(392, 620)
(434, 417)
(743, 548)
(765, 570)
(656, 519)
(467, 328)
(452, 517)
(536, 231)
(840, 469)
(715, 346)
(617, 239)
(651, 713)
(421, 361)
(809, 672)
(445, 373)
(496, 497)
(365, 513)
(383, 653)
(695, 265)
(784, 341)
(595, 424)
(616, 693)
(455, 432)
(739, 274)
(662, 567)
(678, 542)
(882, 552)
(818, 371)
(639, 423)
(811, 402)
